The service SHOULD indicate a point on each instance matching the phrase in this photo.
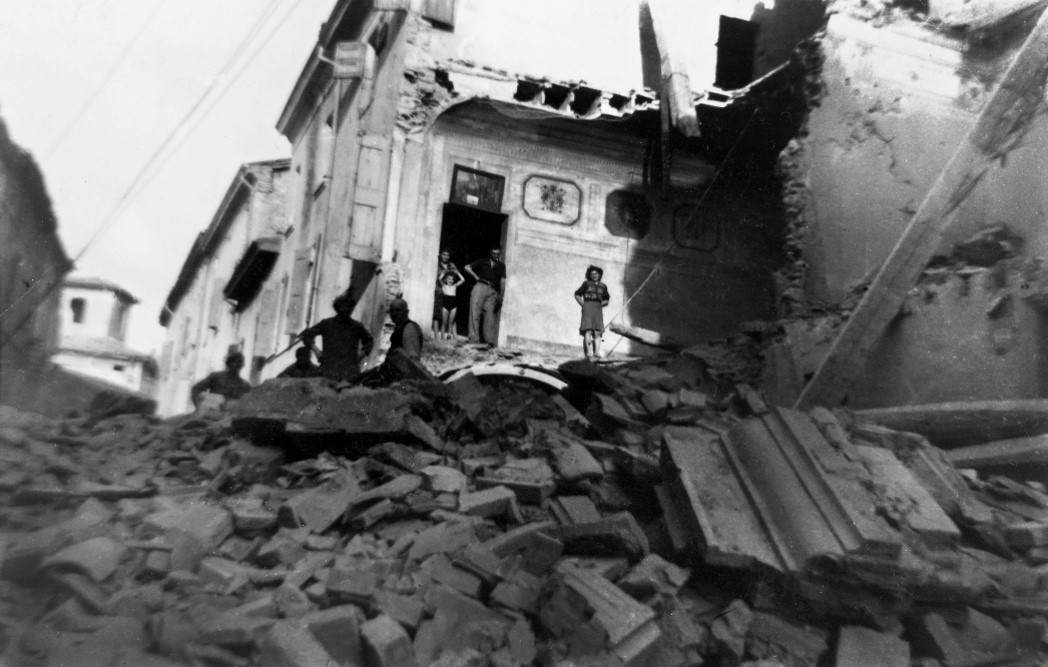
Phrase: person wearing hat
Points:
(592, 296)
(227, 383)
(346, 341)
(303, 366)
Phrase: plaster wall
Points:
(97, 313)
(692, 295)
(124, 373)
(895, 104)
(957, 342)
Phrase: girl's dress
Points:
(593, 294)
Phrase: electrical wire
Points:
(176, 136)
(148, 171)
(105, 81)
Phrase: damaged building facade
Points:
(422, 148)
(224, 298)
(408, 137)
(892, 94)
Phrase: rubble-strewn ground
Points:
(498, 524)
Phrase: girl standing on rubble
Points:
(592, 297)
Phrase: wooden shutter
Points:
(440, 11)
(369, 198)
(265, 329)
(218, 303)
(299, 288)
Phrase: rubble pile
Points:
(642, 518)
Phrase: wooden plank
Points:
(1018, 458)
(962, 423)
(646, 336)
(676, 85)
(1000, 127)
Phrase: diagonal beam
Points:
(674, 84)
(998, 129)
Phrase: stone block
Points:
(574, 509)
(442, 479)
(495, 501)
(97, 557)
(403, 609)
(208, 523)
(614, 535)
(291, 644)
(575, 463)
(443, 571)
(386, 643)
(654, 575)
(444, 537)
(1026, 535)
(338, 631)
(320, 507)
(863, 646)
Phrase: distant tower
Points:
(94, 325)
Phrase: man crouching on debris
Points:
(346, 341)
(407, 334)
(228, 384)
(303, 366)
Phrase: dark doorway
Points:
(469, 234)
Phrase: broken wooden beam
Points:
(999, 128)
(1018, 458)
(676, 85)
(647, 336)
(963, 423)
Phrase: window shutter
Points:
(369, 198)
(265, 330)
(299, 284)
(218, 303)
(166, 354)
(440, 11)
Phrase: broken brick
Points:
(494, 501)
(290, 644)
(863, 646)
(386, 643)
(614, 535)
(337, 629)
(320, 507)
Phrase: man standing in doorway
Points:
(486, 298)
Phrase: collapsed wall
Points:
(891, 95)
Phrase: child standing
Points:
(449, 283)
(592, 296)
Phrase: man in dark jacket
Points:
(346, 341)
(407, 334)
(228, 384)
(303, 366)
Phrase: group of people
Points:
(485, 298)
(347, 342)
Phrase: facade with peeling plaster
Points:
(893, 99)
(32, 265)
(232, 286)
(688, 238)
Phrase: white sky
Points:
(55, 55)
(143, 64)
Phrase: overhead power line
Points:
(178, 134)
(60, 139)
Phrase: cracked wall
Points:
(890, 101)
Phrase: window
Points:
(323, 155)
(79, 307)
(118, 367)
(627, 214)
